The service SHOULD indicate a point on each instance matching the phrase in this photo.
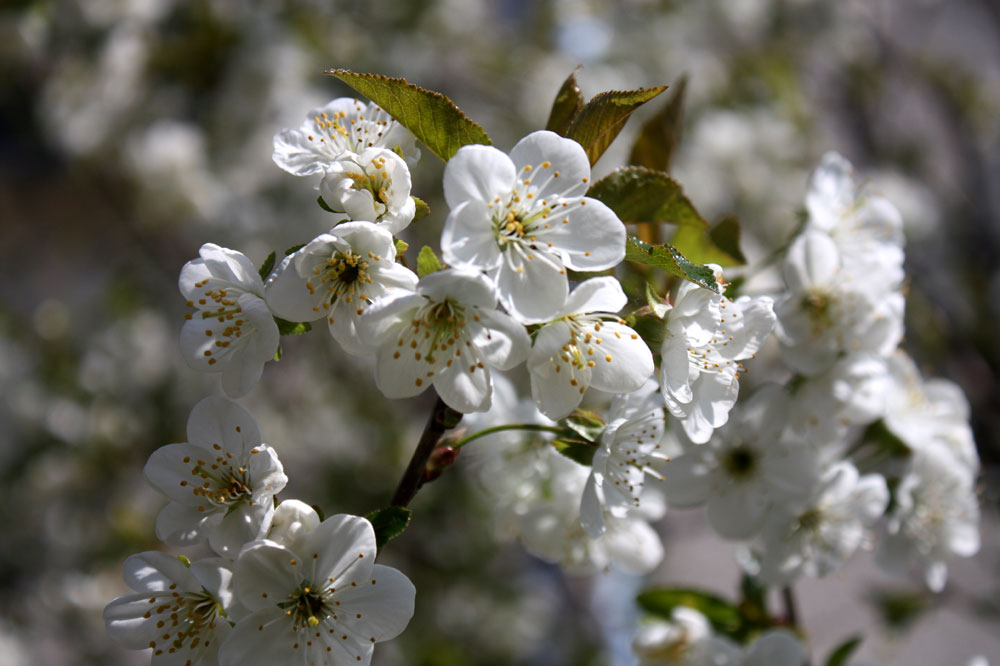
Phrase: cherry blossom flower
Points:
(829, 310)
(320, 600)
(774, 647)
(816, 536)
(220, 482)
(344, 125)
(446, 334)
(524, 220)
(920, 412)
(372, 186)
(706, 337)
(629, 449)
(181, 610)
(231, 330)
(867, 228)
(750, 463)
(338, 276)
(582, 346)
(935, 516)
(686, 640)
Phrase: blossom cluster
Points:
(623, 424)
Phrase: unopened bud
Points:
(441, 459)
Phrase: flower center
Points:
(308, 606)
(740, 461)
(346, 273)
(188, 621)
(222, 484)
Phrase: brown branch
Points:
(441, 419)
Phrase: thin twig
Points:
(413, 477)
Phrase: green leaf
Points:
(638, 194)
(277, 354)
(295, 248)
(724, 617)
(423, 210)
(718, 245)
(324, 205)
(427, 262)
(286, 327)
(577, 450)
(602, 118)
(389, 523)
(660, 135)
(650, 329)
(667, 258)
(569, 100)
(843, 652)
(265, 268)
(433, 118)
(401, 247)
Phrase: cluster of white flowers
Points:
(790, 472)
(797, 474)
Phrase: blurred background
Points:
(133, 131)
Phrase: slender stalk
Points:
(533, 427)
(792, 613)
(413, 477)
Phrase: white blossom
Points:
(629, 449)
(231, 330)
(584, 345)
(920, 412)
(816, 536)
(749, 464)
(830, 310)
(339, 275)
(320, 600)
(524, 220)
(220, 483)
(686, 640)
(372, 186)
(935, 516)
(706, 337)
(867, 228)
(446, 334)
(180, 610)
(344, 125)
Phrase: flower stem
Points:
(792, 614)
(533, 427)
(441, 419)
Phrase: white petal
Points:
(266, 573)
(633, 545)
(264, 637)
(241, 525)
(180, 525)
(599, 294)
(464, 386)
(153, 571)
(295, 153)
(592, 240)
(468, 239)
(775, 647)
(478, 173)
(502, 342)
(623, 361)
(287, 294)
(812, 261)
(384, 602)
(218, 420)
(167, 472)
(564, 156)
(345, 546)
(738, 513)
(591, 510)
(463, 286)
(532, 290)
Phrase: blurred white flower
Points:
(816, 536)
(686, 640)
(935, 516)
